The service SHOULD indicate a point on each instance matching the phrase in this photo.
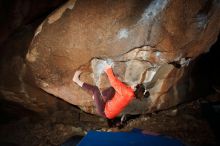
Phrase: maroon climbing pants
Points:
(100, 98)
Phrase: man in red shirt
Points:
(111, 101)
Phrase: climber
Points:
(113, 100)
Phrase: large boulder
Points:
(149, 41)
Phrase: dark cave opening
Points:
(206, 78)
(205, 72)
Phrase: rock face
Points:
(16, 84)
(20, 12)
(18, 23)
(149, 41)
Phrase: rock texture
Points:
(17, 88)
(16, 13)
(148, 41)
(16, 84)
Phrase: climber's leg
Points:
(99, 103)
(108, 93)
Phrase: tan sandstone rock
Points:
(150, 42)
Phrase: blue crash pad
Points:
(133, 138)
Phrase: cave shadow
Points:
(205, 76)
(205, 73)
(9, 112)
(211, 112)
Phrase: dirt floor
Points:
(187, 122)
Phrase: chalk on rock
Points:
(110, 62)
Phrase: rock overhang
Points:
(150, 47)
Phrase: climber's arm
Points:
(114, 81)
